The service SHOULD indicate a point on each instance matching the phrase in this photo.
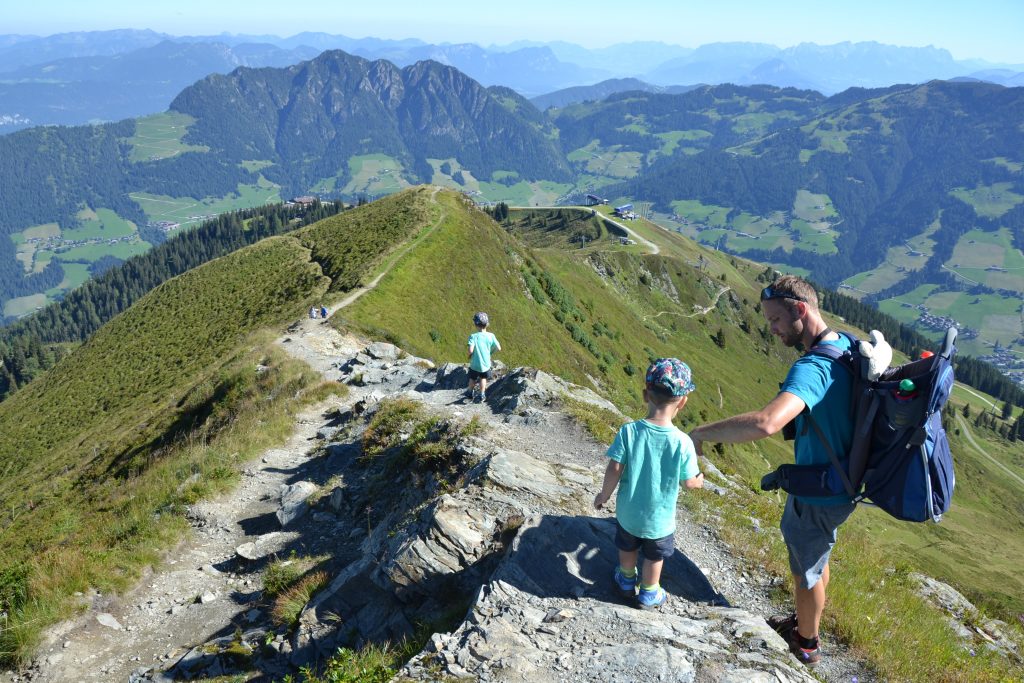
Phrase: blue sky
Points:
(986, 29)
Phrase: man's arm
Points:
(612, 474)
(750, 426)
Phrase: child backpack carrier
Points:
(900, 458)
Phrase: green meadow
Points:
(159, 137)
(989, 201)
(989, 258)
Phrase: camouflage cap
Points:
(672, 374)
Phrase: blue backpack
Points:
(900, 458)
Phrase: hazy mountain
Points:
(80, 44)
(1008, 77)
(714, 63)
(599, 91)
(621, 59)
(827, 68)
(75, 90)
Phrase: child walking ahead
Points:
(481, 343)
(647, 461)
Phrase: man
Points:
(822, 386)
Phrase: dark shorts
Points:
(476, 374)
(810, 532)
(652, 549)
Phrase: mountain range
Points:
(109, 75)
(831, 185)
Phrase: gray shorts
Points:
(810, 532)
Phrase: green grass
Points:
(189, 211)
(989, 201)
(374, 174)
(697, 212)
(159, 137)
(23, 305)
(606, 161)
(75, 274)
(1014, 166)
(100, 224)
(977, 253)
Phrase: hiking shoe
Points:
(783, 624)
(652, 599)
(809, 658)
(626, 584)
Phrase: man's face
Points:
(785, 325)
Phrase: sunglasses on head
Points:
(770, 293)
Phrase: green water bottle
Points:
(906, 391)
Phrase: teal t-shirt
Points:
(825, 387)
(482, 343)
(655, 460)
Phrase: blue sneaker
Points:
(626, 584)
(652, 599)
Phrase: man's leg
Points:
(810, 603)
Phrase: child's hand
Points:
(599, 500)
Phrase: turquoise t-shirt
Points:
(655, 460)
(825, 387)
(482, 343)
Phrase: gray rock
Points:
(451, 376)
(293, 501)
(261, 547)
(110, 621)
(383, 351)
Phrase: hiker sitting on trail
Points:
(647, 461)
(819, 385)
(481, 343)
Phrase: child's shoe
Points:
(651, 599)
(482, 397)
(626, 584)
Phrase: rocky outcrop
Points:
(498, 536)
(549, 612)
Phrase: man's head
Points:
(668, 380)
(789, 304)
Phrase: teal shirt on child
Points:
(482, 344)
(655, 460)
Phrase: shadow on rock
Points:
(573, 557)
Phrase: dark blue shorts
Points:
(476, 374)
(652, 549)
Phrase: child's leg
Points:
(483, 385)
(652, 572)
(627, 561)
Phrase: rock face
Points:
(549, 612)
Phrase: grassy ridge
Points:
(99, 454)
(426, 302)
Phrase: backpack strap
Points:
(844, 358)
